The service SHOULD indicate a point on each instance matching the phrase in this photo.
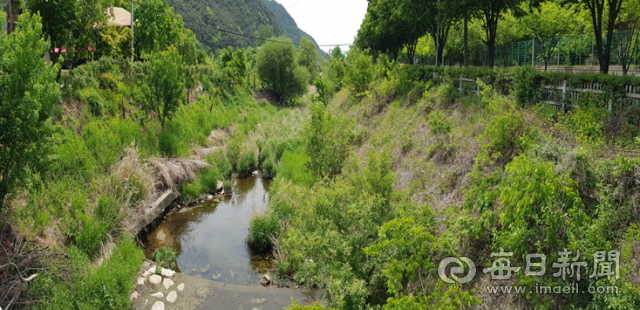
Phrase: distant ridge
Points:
(289, 24)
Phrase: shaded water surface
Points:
(210, 238)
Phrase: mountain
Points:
(288, 24)
(239, 16)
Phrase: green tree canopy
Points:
(165, 84)
(29, 91)
(279, 72)
(308, 56)
(157, 26)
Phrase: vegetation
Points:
(279, 72)
(28, 94)
(165, 257)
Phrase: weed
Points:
(165, 257)
(261, 228)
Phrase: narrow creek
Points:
(210, 237)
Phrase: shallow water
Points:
(210, 238)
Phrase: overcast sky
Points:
(328, 21)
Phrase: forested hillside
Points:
(239, 16)
(289, 24)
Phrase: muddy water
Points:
(210, 238)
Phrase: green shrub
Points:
(108, 210)
(327, 140)
(165, 257)
(269, 168)
(209, 179)
(246, 164)
(293, 167)
(58, 113)
(261, 228)
(191, 190)
(359, 71)
(219, 160)
(234, 146)
(168, 144)
(93, 99)
(226, 185)
(586, 122)
(93, 233)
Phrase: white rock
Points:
(141, 280)
(158, 305)
(255, 172)
(210, 197)
(160, 235)
(150, 271)
(171, 297)
(167, 283)
(155, 279)
(158, 295)
(167, 272)
(220, 185)
(181, 287)
(132, 297)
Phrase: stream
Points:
(210, 238)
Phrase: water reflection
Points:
(210, 238)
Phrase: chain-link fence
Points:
(565, 54)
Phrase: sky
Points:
(328, 21)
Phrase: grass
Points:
(261, 228)
(165, 257)
(104, 287)
(292, 167)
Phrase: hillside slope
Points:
(289, 24)
(240, 16)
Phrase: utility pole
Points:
(132, 37)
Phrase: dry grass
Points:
(169, 173)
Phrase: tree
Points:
(165, 84)
(598, 8)
(157, 27)
(279, 72)
(336, 53)
(308, 56)
(629, 27)
(490, 12)
(59, 20)
(264, 32)
(547, 24)
(27, 96)
(327, 141)
(359, 70)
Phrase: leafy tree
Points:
(327, 142)
(157, 26)
(59, 19)
(550, 22)
(165, 84)
(359, 70)
(598, 8)
(28, 94)
(234, 65)
(336, 53)
(117, 41)
(264, 31)
(308, 56)
(629, 25)
(492, 11)
(279, 72)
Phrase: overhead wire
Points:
(270, 40)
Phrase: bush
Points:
(359, 71)
(293, 167)
(209, 179)
(586, 122)
(269, 168)
(90, 238)
(278, 70)
(220, 161)
(168, 144)
(327, 140)
(261, 228)
(165, 257)
(191, 190)
(246, 164)
(93, 99)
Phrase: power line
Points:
(275, 41)
(294, 4)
